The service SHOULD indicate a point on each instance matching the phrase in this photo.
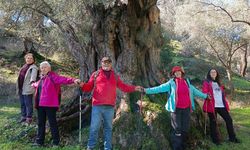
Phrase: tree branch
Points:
(216, 52)
(237, 48)
(57, 22)
(74, 115)
(228, 14)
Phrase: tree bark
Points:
(230, 82)
(243, 63)
(28, 46)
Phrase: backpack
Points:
(96, 73)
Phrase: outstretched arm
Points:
(126, 87)
(158, 89)
(198, 93)
(87, 87)
(58, 79)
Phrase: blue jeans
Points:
(26, 105)
(101, 115)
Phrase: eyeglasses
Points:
(106, 62)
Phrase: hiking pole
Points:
(80, 113)
(80, 116)
(140, 104)
(206, 120)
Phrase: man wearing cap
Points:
(180, 103)
(104, 83)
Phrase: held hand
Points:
(139, 89)
(209, 97)
(81, 84)
(77, 81)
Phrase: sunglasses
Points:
(106, 62)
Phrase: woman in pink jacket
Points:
(217, 104)
(47, 101)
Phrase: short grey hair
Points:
(45, 63)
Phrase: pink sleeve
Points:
(57, 79)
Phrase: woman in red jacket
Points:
(217, 104)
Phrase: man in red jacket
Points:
(104, 83)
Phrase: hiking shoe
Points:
(23, 119)
(55, 146)
(88, 148)
(217, 143)
(234, 140)
(28, 120)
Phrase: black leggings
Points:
(42, 113)
(214, 132)
(180, 125)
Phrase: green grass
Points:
(241, 118)
(242, 90)
(10, 128)
(9, 115)
(241, 85)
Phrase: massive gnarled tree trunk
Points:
(130, 34)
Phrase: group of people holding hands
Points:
(103, 84)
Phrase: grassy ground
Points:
(10, 129)
(241, 118)
(13, 134)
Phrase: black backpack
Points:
(88, 96)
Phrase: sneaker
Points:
(37, 145)
(235, 140)
(28, 120)
(217, 143)
(89, 148)
(23, 119)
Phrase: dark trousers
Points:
(180, 124)
(42, 112)
(214, 132)
(26, 105)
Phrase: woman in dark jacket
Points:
(217, 104)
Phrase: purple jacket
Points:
(49, 92)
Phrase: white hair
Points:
(45, 63)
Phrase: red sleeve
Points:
(87, 87)
(124, 87)
(223, 90)
(205, 87)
